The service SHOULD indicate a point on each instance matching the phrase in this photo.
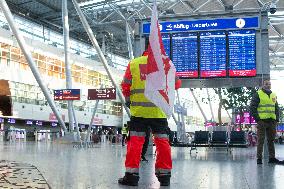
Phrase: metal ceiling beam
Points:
(147, 5)
(54, 8)
(109, 15)
(235, 5)
(136, 12)
(116, 10)
(190, 5)
(261, 3)
(186, 6)
(173, 5)
(198, 8)
(278, 49)
(222, 3)
(275, 29)
(19, 4)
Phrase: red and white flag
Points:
(160, 78)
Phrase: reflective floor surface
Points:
(60, 166)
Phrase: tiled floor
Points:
(65, 167)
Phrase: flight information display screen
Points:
(242, 61)
(184, 54)
(213, 54)
(166, 38)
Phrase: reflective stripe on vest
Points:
(144, 104)
(266, 107)
(124, 130)
(140, 106)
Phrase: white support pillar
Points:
(210, 105)
(100, 54)
(202, 112)
(30, 61)
(181, 126)
(71, 112)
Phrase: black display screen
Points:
(184, 56)
(242, 61)
(213, 54)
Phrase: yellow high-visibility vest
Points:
(124, 130)
(140, 105)
(266, 107)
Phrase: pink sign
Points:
(245, 119)
(97, 121)
(210, 124)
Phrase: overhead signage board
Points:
(67, 94)
(102, 94)
(208, 24)
(229, 50)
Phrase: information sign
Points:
(242, 61)
(213, 54)
(67, 94)
(102, 94)
(184, 47)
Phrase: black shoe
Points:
(259, 161)
(143, 159)
(273, 160)
(164, 180)
(281, 162)
(129, 179)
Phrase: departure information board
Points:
(166, 38)
(184, 54)
(242, 61)
(213, 54)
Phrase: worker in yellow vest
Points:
(264, 108)
(144, 115)
(124, 132)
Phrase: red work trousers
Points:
(159, 128)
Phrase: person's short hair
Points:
(265, 80)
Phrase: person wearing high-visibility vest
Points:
(124, 132)
(264, 108)
(144, 115)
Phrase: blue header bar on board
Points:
(212, 24)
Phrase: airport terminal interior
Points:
(62, 110)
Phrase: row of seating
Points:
(218, 139)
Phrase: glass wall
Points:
(24, 93)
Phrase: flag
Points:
(160, 77)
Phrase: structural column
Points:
(30, 61)
(100, 53)
(71, 116)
